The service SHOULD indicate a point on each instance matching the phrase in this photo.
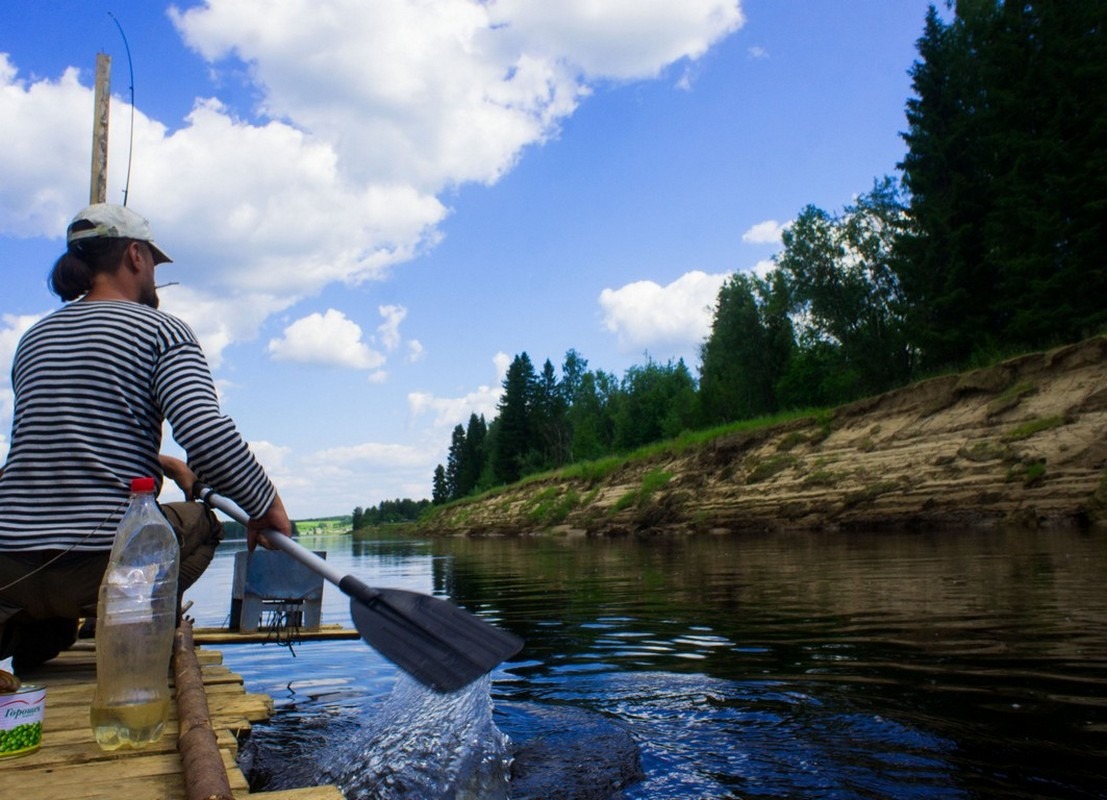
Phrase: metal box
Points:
(272, 582)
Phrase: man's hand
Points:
(274, 519)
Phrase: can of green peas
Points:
(21, 714)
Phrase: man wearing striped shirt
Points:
(94, 381)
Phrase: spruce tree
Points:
(1007, 170)
(473, 461)
(741, 360)
(514, 440)
(440, 493)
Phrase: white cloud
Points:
(767, 232)
(763, 267)
(389, 331)
(45, 130)
(271, 456)
(218, 320)
(14, 326)
(503, 363)
(622, 39)
(337, 476)
(329, 338)
(673, 318)
(367, 112)
(451, 411)
(757, 53)
(374, 454)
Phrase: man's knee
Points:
(199, 533)
(33, 643)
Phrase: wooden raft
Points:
(223, 636)
(71, 766)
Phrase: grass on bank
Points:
(592, 474)
(549, 507)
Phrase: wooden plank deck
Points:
(222, 636)
(71, 766)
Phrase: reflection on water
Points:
(951, 664)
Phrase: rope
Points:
(283, 622)
(67, 550)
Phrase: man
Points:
(94, 381)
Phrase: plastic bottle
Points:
(135, 622)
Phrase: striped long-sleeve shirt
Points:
(93, 383)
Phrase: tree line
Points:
(990, 240)
(546, 420)
(387, 512)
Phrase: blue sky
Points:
(372, 207)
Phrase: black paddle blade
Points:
(437, 643)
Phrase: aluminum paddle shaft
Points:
(439, 644)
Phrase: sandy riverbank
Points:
(1022, 442)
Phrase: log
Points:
(204, 774)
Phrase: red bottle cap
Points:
(142, 485)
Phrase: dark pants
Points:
(39, 613)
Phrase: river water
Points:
(952, 664)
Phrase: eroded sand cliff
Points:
(1023, 442)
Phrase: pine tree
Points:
(473, 462)
(1007, 170)
(455, 464)
(440, 492)
(942, 269)
(514, 441)
(740, 361)
(549, 419)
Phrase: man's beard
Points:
(149, 296)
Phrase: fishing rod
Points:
(131, 142)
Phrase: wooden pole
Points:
(98, 192)
(204, 773)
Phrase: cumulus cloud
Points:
(330, 338)
(11, 331)
(367, 113)
(271, 456)
(622, 39)
(674, 318)
(503, 363)
(450, 411)
(45, 130)
(338, 474)
(763, 267)
(12, 328)
(767, 232)
(373, 454)
(389, 331)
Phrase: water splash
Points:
(421, 744)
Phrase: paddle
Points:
(437, 643)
